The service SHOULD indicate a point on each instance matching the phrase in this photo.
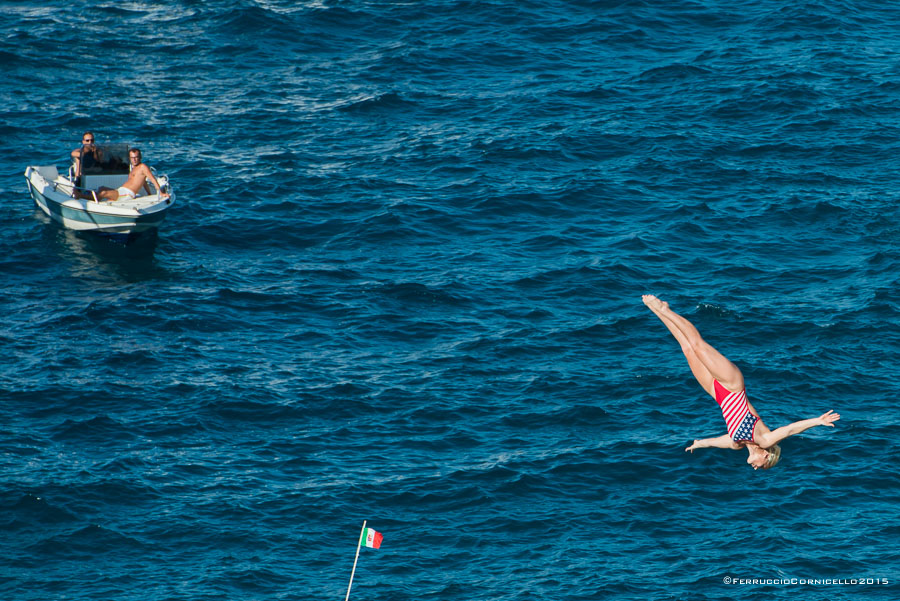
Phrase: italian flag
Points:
(370, 538)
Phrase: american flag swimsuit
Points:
(736, 412)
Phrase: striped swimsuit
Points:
(736, 411)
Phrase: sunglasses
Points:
(91, 141)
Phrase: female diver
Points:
(724, 382)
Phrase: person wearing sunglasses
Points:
(86, 156)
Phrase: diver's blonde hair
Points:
(774, 456)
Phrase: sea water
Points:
(402, 283)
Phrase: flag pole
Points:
(358, 545)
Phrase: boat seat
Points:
(92, 182)
(50, 172)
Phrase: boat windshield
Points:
(109, 159)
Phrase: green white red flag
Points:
(370, 538)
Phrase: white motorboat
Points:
(56, 195)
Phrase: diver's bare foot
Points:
(654, 304)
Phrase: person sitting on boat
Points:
(86, 156)
(137, 179)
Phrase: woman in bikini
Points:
(724, 382)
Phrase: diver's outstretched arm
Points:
(719, 442)
(768, 439)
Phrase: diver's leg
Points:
(701, 373)
(718, 366)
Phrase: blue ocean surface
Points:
(402, 283)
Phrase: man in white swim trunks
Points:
(137, 179)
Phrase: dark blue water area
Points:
(402, 283)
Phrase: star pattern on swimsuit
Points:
(745, 430)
